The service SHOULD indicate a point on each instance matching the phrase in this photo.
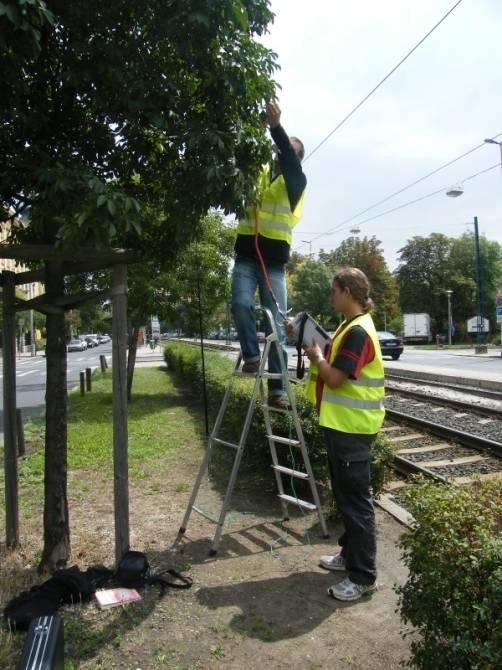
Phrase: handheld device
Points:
(306, 329)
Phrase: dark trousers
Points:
(350, 480)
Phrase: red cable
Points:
(258, 251)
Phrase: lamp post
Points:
(33, 349)
(500, 147)
(455, 192)
(309, 242)
(479, 316)
(448, 293)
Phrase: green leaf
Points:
(111, 207)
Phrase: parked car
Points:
(77, 345)
(390, 344)
(104, 339)
(92, 340)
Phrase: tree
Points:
(431, 265)
(463, 278)
(121, 124)
(201, 272)
(367, 255)
(423, 275)
(311, 287)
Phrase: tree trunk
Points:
(131, 359)
(56, 520)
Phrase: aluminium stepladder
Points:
(274, 441)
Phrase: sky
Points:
(442, 102)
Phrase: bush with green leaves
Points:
(453, 596)
(185, 361)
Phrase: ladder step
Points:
(288, 471)
(216, 440)
(297, 501)
(272, 375)
(200, 511)
(284, 440)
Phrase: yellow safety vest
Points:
(357, 405)
(276, 220)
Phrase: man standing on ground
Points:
(278, 210)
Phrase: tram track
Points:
(481, 391)
(450, 454)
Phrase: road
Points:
(30, 372)
(30, 378)
(456, 362)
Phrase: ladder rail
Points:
(258, 393)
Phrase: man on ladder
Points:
(262, 250)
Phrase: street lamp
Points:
(488, 141)
(450, 324)
(454, 192)
(309, 242)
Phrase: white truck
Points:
(417, 328)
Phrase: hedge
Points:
(184, 360)
(453, 595)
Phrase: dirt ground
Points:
(260, 603)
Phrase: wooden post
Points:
(9, 410)
(102, 362)
(82, 382)
(88, 379)
(21, 450)
(120, 436)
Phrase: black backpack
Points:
(134, 571)
(69, 585)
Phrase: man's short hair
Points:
(301, 153)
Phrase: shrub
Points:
(185, 361)
(453, 596)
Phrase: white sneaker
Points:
(348, 590)
(336, 563)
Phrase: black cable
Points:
(346, 118)
(401, 190)
(203, 361)
(423, 197)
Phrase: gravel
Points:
(452, 418)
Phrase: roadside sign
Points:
(472, 325)
(499, 314)
(498, 298)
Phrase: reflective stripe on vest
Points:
(276, 220)
(357, 406)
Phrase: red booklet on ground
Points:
(113, 597)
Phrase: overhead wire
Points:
(382, 81)
(412, 202)
(404, 188)
(340, 226)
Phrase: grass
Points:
(159, 424)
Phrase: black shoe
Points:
(251, 368)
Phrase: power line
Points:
(347, 117)
(405, 188)
(411, 202)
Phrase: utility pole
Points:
(32, 332)
(448, 293)
(479, 316)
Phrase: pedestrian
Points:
(347, 386)
(280, 193)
